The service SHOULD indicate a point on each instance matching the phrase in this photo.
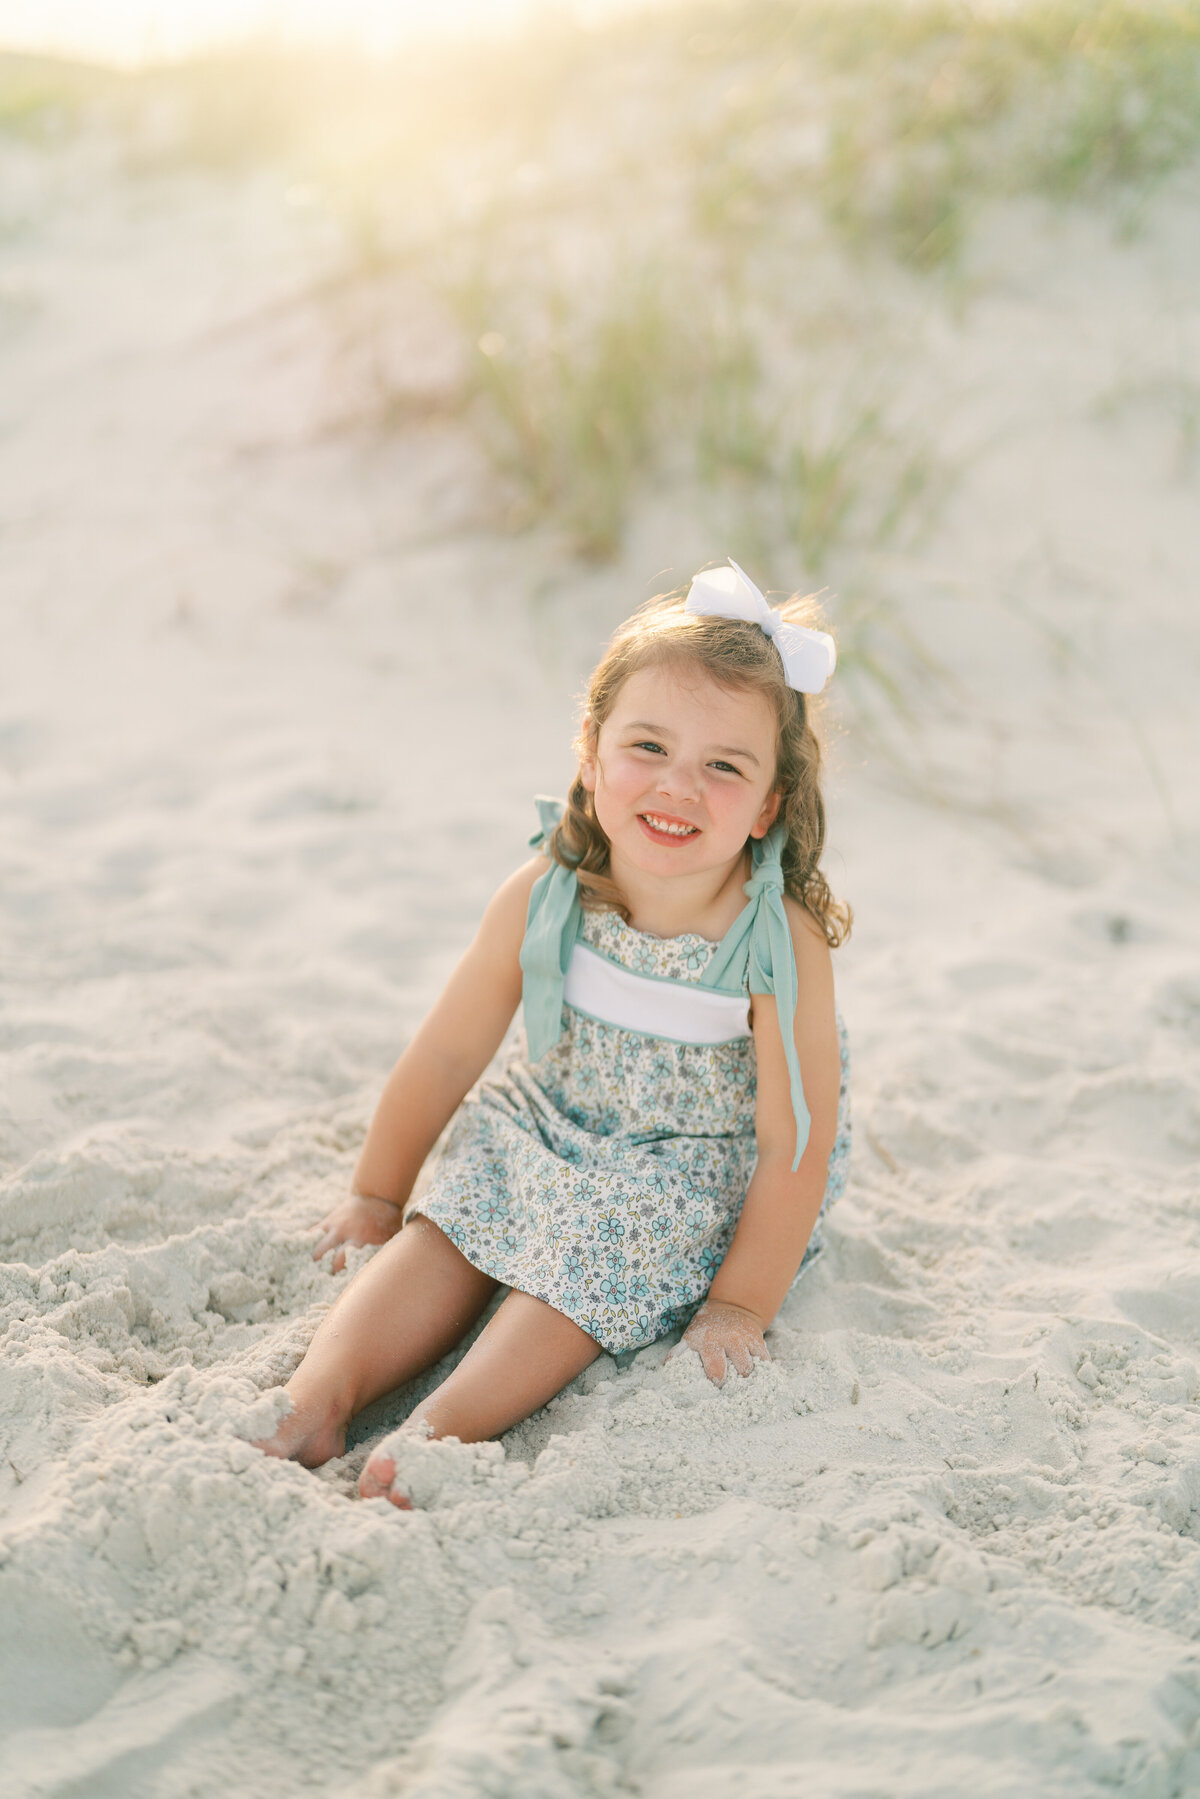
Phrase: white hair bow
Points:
(809, 657)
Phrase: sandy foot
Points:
(308, 1435)
(378, 1481)
(414, 1470)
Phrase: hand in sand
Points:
(357, 1219)
(722, 1334)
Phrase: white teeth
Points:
(660, 824)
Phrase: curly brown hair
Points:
(735, 655)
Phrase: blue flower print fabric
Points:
(607, 1177)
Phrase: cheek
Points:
(621, 774)
(727, 799)
(742, 806)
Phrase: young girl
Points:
(667, 1135)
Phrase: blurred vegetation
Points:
(43, 97)
(1170, 397)
(574, 403)
(911, 113)
(629, 234)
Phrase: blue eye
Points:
(656, 747)
(726, 768)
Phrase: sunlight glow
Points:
(132, 32)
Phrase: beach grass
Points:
(920, 114)
(1170, 395)
(653, 316)
(571, 403)
(44, 97)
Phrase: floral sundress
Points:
(606, 1177)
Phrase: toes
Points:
(376, 1479)
(416, 1472)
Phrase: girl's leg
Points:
(525, 1354)
(404, 1310)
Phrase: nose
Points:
(679, 779)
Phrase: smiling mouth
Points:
(672, 830)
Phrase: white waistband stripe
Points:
(677, 1009)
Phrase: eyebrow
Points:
(719, 749)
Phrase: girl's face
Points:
(683, 771)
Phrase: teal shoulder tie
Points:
(549, 813)
(759, 944)
(551, 927)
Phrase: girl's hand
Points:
(357, 1219)
(721, 1333)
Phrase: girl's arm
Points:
(443, 1061)
(780, 1207)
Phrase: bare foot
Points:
(309, 1434)
(378, 1480)
(414, 1469)
(390, 1465)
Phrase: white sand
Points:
(271, 705)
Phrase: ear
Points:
(768, 815)
(587, 754)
